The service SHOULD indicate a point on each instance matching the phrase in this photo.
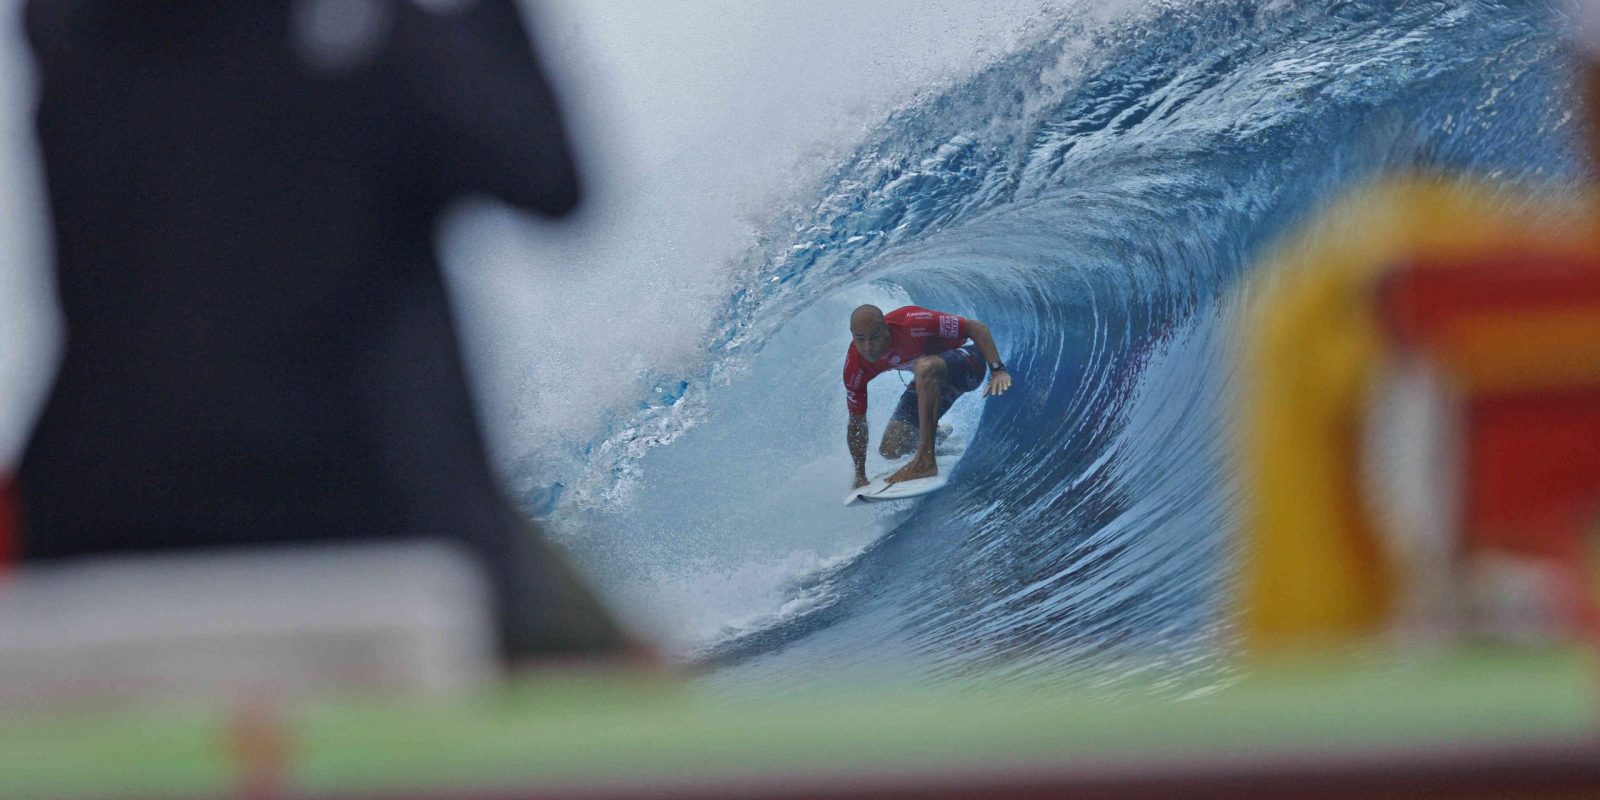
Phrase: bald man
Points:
(930, 345)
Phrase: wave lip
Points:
(1095, 198)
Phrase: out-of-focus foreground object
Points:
(8, 524)
(1482, 725)
(394, 618)
(1422, 421)
(260, 352)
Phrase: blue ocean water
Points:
(1096, 197)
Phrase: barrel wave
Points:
(1096, 197)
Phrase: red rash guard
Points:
(913, 332)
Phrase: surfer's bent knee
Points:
(931, 368)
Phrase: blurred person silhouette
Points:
(259, 348)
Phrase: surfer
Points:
(930, 345)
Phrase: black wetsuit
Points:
(259, 347)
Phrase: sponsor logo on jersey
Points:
(949, 326)
(920, 333)
(853, 384)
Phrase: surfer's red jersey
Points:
(913, 332)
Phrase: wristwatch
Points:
(997, 366)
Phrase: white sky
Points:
(693, 115)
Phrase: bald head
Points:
(869, 334)
(866, 319)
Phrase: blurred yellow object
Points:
(1315, 569)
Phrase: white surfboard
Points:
(948, 451)
(877, 491)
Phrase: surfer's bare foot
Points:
(923, 466)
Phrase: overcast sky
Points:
(691, 114)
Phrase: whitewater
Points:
(1095, 195)
(1095, 182)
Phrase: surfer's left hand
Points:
(999, 382)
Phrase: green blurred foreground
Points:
(568, 729)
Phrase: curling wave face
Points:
(1094, 197)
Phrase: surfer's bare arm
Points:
(999, 380)
(856, 435)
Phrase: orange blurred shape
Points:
(259, 743)
(1495, 293)
(1519, 336)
